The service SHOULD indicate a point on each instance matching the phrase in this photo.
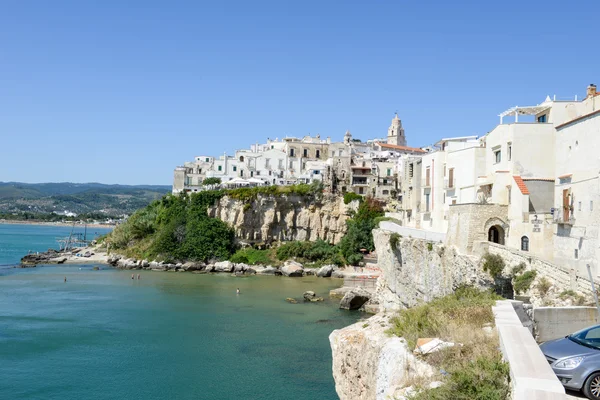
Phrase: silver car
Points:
(575, 360)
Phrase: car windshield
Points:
(589, 337)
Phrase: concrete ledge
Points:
(413, 232)
(530, 373)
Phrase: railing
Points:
(425, 183)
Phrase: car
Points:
(575, 359)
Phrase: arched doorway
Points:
(496, 234)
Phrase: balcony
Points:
(449, 184)
(559, 218)
(426, 183)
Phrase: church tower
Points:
(396, 133)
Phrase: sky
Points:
(123, 92)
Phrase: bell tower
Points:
(396, 133)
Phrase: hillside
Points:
(81, 198)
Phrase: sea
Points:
(168, 335)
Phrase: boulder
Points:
(354, 299)
(292, 269)
(250, 271)
(192, 266)
(241, 267)
(290, 300)
(266, 270)
(308, 295)
(224, 266)
(210, 268)
(153, 265)
(309, 271)
(338, 273)
(325, 271)
(144, 264)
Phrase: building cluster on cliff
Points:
(530, 184)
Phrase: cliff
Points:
(415, 271)
(270, 218)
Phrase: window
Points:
(509, 153)
(305, 153)
(234, 168)
(576, 254)
(269, 173)
(453, 201)
(318, 154)
(303, 165)
(272, 147)
(498, 156)
(257, 173)
(386, 192)
(427, 173)
(525, 243)
(340, 153)
(332, 153)
(292, 153)
(389, 172)
(207, 159)
(241, 172)
(291, 164)
(241, 158)
(444, 170)
(280, 164)
(220, 168)
(427, 202)
(267, 162)
(542, 118)
(360, 191)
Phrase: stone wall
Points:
(282, 218)
(416, 271)
(413, 232)
(562, 278)
(558, 322)
(468, 223)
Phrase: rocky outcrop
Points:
(416, 271)
(284, 217)
(354, 299)
(368, 364)
(325, 271)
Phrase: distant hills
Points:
(79, 198)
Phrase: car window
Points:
(593, 333)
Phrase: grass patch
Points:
(475, 369)
(544, 285)
(493, 264)
(394, 240)
(522, 283)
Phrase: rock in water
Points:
(292, 268)
(325, 271)
(309, 295)
(266, 270)
(224, 266)
(354, 299)
(290, 300)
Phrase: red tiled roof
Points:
(565, 176)
(522, 186)
(406, 148)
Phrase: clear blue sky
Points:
(122, 92)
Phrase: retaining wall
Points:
(413, 232)
(557, 322)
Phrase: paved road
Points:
(575, 395)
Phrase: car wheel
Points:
(591, 387)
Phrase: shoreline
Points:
(42, 223)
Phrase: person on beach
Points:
(237, 291)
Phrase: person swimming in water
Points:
(237, 291)
(132, 276)
(65, 279)
(139, 277)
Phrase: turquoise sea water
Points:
(169, 335)
(17, 240)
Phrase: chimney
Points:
(591, 90)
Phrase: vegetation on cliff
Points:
(472, 370)
(178, 228)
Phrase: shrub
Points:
(518, 269)
(429, 246)
(319, 252)
(522, 283)
(493, 264)
(394, 240)
(359, 234)
(252, 257)
(354, 259)
(544, 285)
(351, 196)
